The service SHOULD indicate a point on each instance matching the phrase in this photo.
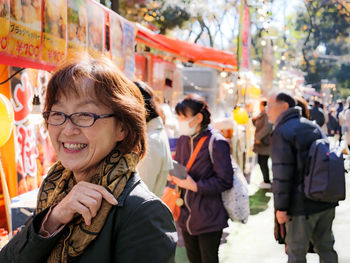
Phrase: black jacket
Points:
(317, 114)
(291, 140)
(139, 229)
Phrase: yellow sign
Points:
(54, 31)
(25, 29)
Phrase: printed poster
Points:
(54, 31)
(116, 38)
(77, 26)
(34, 152)
(128, 49)
(96, 27)
(4, 24)
(25, 29)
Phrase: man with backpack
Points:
(306, 220)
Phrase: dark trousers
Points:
(262, 161)
(316, 228)
(203, 248)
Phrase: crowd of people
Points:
(101, 201)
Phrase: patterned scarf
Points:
(113, 173)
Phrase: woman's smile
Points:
(73, 147)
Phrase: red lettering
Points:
(26, 48)
(19, 47)
(36, 51)
(30, 50)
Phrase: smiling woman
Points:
(92, 206)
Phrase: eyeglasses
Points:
(80, 119)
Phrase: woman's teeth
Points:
(72, 146)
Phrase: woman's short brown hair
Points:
(112, 88)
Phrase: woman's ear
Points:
(199, 117)
(121, 132)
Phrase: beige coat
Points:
(154, 167)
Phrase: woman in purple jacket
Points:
(203, 215)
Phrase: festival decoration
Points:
(6, 119)
(240, 115)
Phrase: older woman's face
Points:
(81, 149)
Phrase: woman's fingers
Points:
(103, 191)
(85, 199)
(93, 204)
(84, 211)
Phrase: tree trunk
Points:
(115, 5)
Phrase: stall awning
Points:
(188, 51)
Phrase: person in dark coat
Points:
(333, 126)
(305, 220)
(317, 114)
(92, 206)
(262, 143)
(203, 216)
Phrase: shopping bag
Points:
(235, 199)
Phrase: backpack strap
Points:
(195, 152)
(210, 147)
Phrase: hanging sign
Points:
(96, 26)
(116, 38)
(77, 26)
(4, 24)
(25, 29)
(54, 31)
(128, 49)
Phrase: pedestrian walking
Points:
(333, 127)
(155, 166)
(344, 122)
(317, 114)
(302, 103)
(262, 143)
(92, 206)
(306, 220)
(203, 215)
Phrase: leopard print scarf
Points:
(113, 173)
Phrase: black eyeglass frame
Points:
(46, 115)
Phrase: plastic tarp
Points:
(190, 52)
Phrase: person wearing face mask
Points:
(203, 215)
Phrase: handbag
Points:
(169, 197)
(172, 193)
(235, 199)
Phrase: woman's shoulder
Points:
(137, 196)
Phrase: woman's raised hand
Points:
(187, 183)
(84, 199)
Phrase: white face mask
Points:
(185, 129)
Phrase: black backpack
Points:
(325, 176)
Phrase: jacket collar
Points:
(130, 185)
(201, 133)
(155, 124)
(294, 112)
